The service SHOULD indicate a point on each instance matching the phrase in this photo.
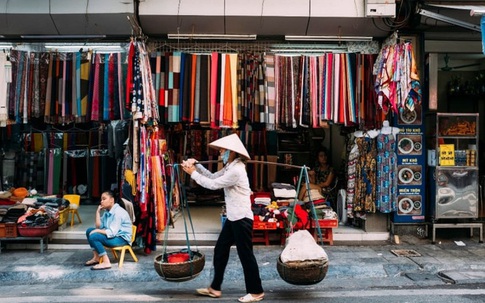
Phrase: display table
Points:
(43, 241)
(31, 233)
(326, 227)
(471, 226)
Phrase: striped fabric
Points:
(270, 106)
(214, 90)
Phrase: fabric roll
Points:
(204, 91)
(184, 90)
(74, 87)
(96, 89)
(351, 77)
(76, 83)
(108, 87)
(50, 172)
(305, 94)
(279, 70)
(120, 77)
(85, 84)
(33, 96)
(174, 86)
(213, 89)
(116, 104)
(44, 58)
(295, 77)
(62, 89)
(222, 89)
(261, 92)
(233, 59)
(101, 86)
(198, 71)
(24, 98)
(336, 89)
(129, 77)
(185, 86)
(270, 108)
(12, 87)
(18, 89)
(193, 76)
(343, 93)
(313, 95)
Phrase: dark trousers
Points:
(240, 233)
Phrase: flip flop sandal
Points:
(100, 267)
(91, 262)
(207, 292)
(250, 298)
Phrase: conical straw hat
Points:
(231, 142)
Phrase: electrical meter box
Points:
(380, 8)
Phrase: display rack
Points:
(455, 176)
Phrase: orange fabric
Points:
(227, 114)
(157, 185)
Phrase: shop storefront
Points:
(82, 121)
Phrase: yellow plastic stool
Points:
(123, 249)
(74, 201)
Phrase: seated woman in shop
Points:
(321, 178)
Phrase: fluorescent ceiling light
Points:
(328, 38)
(307, 49)
(74, 47)
(449, 20)
(211, 37)
(47, 37)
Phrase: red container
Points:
(259, 225)
(29, 231)
(8, 230)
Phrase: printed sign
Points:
(447, 154)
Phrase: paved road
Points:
(444, 272)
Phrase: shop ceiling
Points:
(267, 19)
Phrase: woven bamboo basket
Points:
(302, 272)
(181, 271)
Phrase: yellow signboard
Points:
(447, 154)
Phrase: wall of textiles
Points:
(281, 91)
(211, 89)
(57, 161)
(65, 87)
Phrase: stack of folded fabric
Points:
(283, 190)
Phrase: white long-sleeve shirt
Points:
(233, 178)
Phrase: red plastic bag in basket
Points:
(178, 258)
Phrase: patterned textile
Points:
(365, 180)
(395, 70)
(386, 173)
(351, 179)
(173, 86)
(216, 90)
(270, 106)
